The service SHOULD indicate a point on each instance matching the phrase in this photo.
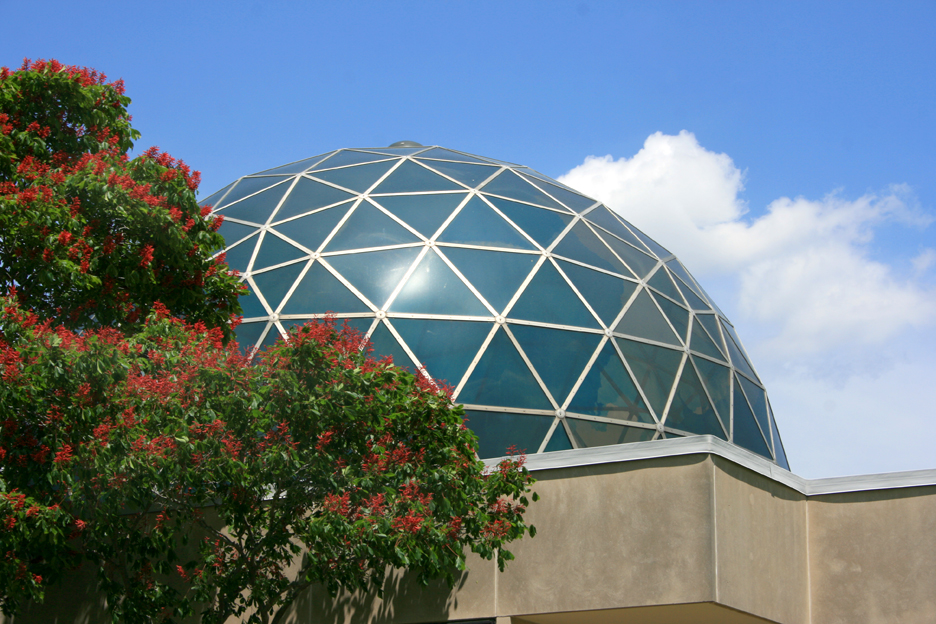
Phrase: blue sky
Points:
(834, 293)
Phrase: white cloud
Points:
(925, 260)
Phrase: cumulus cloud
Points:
(802, 269)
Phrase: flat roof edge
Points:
(707, 444)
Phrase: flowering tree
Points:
(86, 234)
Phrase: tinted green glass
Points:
(385, 344)
(248, 186)
(320, 292)
(539, 176)
(678, 317)
(549, 299)
(512, 186)
(606, 294)
(274, 250)
(312, 229)
(734, 350)
(581, 244)
(239, 257)
(233, 232)
(543, 348)
(270, 339)
(477, 224)
(655, 247)
(375, 273)
(468, 174)
(543, 226)
(256, 208)
(654, 368)
(694, 302)
(215, 197)
(309, 195)
(362, 325)
(745, 432)
(662, 282)
(559, 441)
(691, 410)
(496, 274)
(575, 201)
(644, 320)
(396, 151)
(274, 284)
(778, 445)
(497, 431)
(438, 152)
(589, 434)
(501, 377)
(701, 342)
(609, 391)
(717, 380)
(680, 271)
(758, 401)
(296, 167)
(603, 217)
(410, 177)
(248, 334)
(710, 322)
(358, 178)
(350, 157)
(433, 288)
(423, 213)
(445, 348)
(250, 304)
(638, 262)
(369, 227)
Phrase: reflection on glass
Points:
(410, 178)
(542, 346)
(589, 434)
(701, 342)
(248, 186)
(717, 380)
(581, 244)
(501, 377)
(644, 320)
(376, 273)
(680, 271)
(312, 229)
(603, 217)
(664, 284)
(549, 299)
(541, 225)
(423, 213)
(606, 294)
(575, 201)
(690, 409)
(495, 274)
(256, 208)
(274, 250)
(433, 288)
(694, 302)
(512, 186)
(758, 401)
(734, 350)
(358, 178)
(469, 175)
(309, 195)
(438, 152)
(609, 391)
(655, 247)
(369, 227)
(654, 368)
(711, 325)
(778, 444)
(638, 262)
(745, 432)
(497, 431)
(274, 284)
(677, 316)
(320, 292)
(477, 224)
(445, 348)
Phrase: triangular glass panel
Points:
(559, 441)
(248, 334)
(589, 434)
(574, 201)
(548, 299)
(644, 320)
(272, 335)
(296, 167)
(251, 306)
(678, 316)
(738, 357)
(369, 227)
(349, 157)
(710, 322)
(360, 324)
(233, 232)
(274, 250)
(438, 152)
(654, 369)
(638, 262)
(239, 257)
(603, 217)
(433, 288)
(745, 432)
(384, 344)
(376, 273)
(609, 391)
(758, 400)
(691, 410)
(396, 151)
(215, 197)
(694, 301)
(498, 431)
(541, 225)
(423, 213)
(358, 178)
(542, 346)
(312, 229)
(309, 195)
(701, 342)
(468, 174)
(583, 245)
(248, 186)
(606, 294)
(501, 377)
(680, 271)
(410, 177)
(662, 282)
(539, 176)
(717, 380)
(654, 246)
(445, 348)
(512, 186)
(320, 292)
(478, 224)
(256, 208)
(495, 274)
(274, 284)
(778, 444)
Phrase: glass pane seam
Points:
(708, 396)
(528, 252)
(224, 193)
(519, 201)
(399, 193)
(467, 283)
(568, 432)
(501, 408)
(672, 391)
(530, 366)
(474, 362)
(339, 225)
(667, 319)
(744, 352)
(754, 416)
(397, 219)
(629, 278)
(548, 436)
(321, 315)
(259, 295)
(585, 371)
(420, 367)
(270, 231)
(439, 317)
(634, 381)
(405, 278)
(708, 357)
(341, 278)
(607, 246)
(451, 179)
(575, 328)
(266, 330)
(292, 288)
(579, 294)
(523, 285)
(270, 268)
(240, 221)
(508, 220)
(564, 233)
(246, 197)
(454, 215)
(312, 171)
(348, 201)
(241, 241)
(627, 305)
(349, 252)
(543, 186)
(611, 421)
(666, 345)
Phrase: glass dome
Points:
(558, 324)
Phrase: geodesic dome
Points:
(559, 324)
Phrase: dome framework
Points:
(558, 324)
